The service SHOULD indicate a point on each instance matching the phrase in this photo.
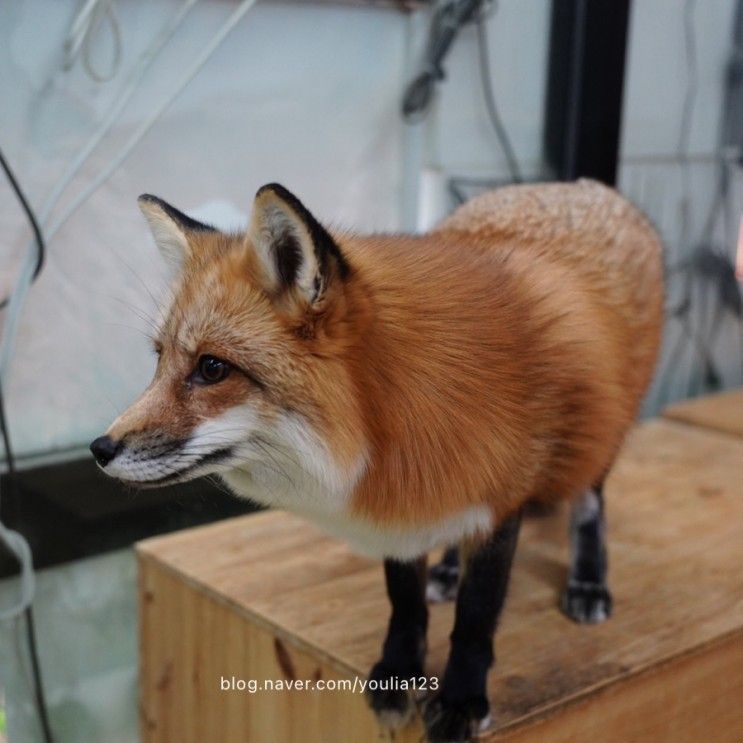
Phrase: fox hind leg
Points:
(586, 598)
(443, 578)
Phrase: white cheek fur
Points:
(230, 429)
(289, 466)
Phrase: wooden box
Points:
(721, 412)
(268, 597)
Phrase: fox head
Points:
(252, 379)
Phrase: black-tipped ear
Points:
(170, 228)
(294, 248)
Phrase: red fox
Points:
(409, 392)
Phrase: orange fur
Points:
(510, 350)
(500, 358)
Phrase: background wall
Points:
(303, 94)
(307, 95)
(677, 61)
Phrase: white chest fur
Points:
(404, 543)
(332, 515)
(300, 475)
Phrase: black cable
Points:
(40, 244)
(448, 18)
(38, 684)
(457, 184)
(493, 114)
(708, 264)
(33, 652)
(39, 697)
(694, 270)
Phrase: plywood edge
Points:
(710, 412)
(153, 545)
(151, 561)
(682, 418)
(682, 424)
(731, 640)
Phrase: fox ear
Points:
(170, 228)
(294, 248)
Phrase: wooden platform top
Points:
(721, 412)
(675, 510)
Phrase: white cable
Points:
(82, 30)
(18, 545)
(108, 12)
(146, 125)
(79, 29)
(23, 281)
(130, 88)
(14, 540)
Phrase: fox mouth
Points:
(218, 456)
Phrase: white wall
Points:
(307, 95)
(662, 71)
(464, 141)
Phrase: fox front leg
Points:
(462, 706)
(405, 645)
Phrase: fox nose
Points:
(104, 449)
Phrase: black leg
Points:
(454, 714)
(587, 598)
(443, 578)
(405, 646)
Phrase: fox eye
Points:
(211, 370)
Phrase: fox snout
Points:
(152, 459)
(104, 449)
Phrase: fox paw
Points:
(443, 580)
(455, 722)
(393, 707)
(587, 603)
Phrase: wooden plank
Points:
(191, 642)
(691, 698)
(674, 507)
(722, 412)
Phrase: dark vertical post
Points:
(585, 81)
